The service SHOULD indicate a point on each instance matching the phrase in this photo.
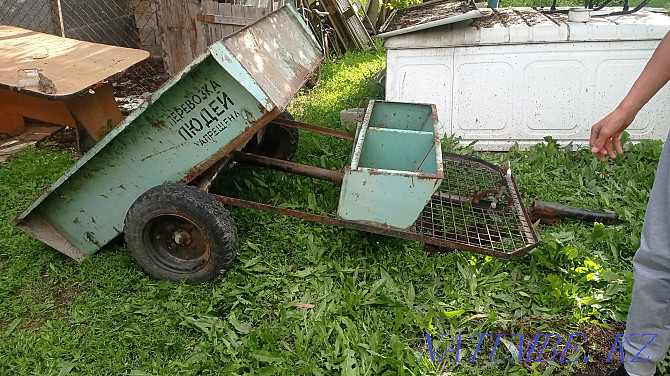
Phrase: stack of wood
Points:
(349, 27)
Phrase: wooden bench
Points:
(74, 89)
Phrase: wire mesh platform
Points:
(477, 208)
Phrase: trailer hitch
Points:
(549, 213)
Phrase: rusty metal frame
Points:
(411, 233)
(290, 167)
(314, 128)
(375, 229)
(476, 201)
(205, 175)
(528, 222)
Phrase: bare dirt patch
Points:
(597, 344)
(594, 342)
(61, 295)
(65, 138)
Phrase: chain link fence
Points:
(124, 23)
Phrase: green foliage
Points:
(344, 85)
(398, 4)
(373, 297)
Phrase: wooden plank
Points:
(182, 38)
(246, 12)
(260, 12)
(338, 24)
(209, 32)
(372, 8)
(226, 10)
(57, 17)
(28, 106)
(226, 20)
(97, 112)
(250, 14)
(209, 6)
(383, 14)
(238, 12)
(72, 65)
(11, 124)
(218, 30)
(32, 135)
(163, 35)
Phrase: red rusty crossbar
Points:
(314, 128)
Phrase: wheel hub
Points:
(177, 243)
(182, 237)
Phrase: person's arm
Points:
(606, 133)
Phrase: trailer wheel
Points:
(176, 231)
(277, 141)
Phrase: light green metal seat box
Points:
(210, 108)
(396, 165)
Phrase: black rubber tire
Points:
(161, 215)
(278, 141)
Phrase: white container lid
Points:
(528, 25)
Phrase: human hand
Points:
(606, 134)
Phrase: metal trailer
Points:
(150, 176)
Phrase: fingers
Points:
(617, 143)
(595, 133)
(601, 140)
(605, 139)
(608, 149)
(602, 148)
(603, 143)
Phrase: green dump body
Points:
(396, 165)
(210, 108)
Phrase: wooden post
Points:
(383, 15)
(57, 18)
(372, 13)
(183, 37)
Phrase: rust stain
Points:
(158, 124)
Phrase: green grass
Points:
(374, 297)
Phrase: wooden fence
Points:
(188, 27)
